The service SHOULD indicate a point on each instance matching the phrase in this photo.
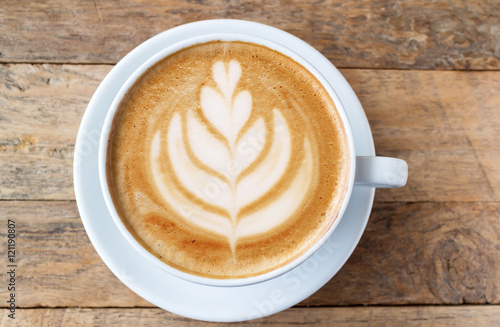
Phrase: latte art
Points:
(227, 160)
(211, 161)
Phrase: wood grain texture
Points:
(57, 265)
(432, 316)
(422, 253)
(411, 253)
(423, 34)
(445, 124)
(40, 110)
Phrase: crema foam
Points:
(227, 160)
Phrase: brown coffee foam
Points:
(163, 91)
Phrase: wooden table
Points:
(427, 74)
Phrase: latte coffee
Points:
(227, 160)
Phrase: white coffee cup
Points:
(366, 171)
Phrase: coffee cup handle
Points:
(382, 172)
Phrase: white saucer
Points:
(180, 296)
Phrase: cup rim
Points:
(157, 57)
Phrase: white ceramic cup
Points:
(365, 171)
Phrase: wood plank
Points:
(415, 316)
(422, 34)
(57, 265)
(411, 253)
(40, 111)
(422, 253)
(443, 123)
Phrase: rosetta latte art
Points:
(219, 165)
(227, 160)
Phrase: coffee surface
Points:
(227, 160)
